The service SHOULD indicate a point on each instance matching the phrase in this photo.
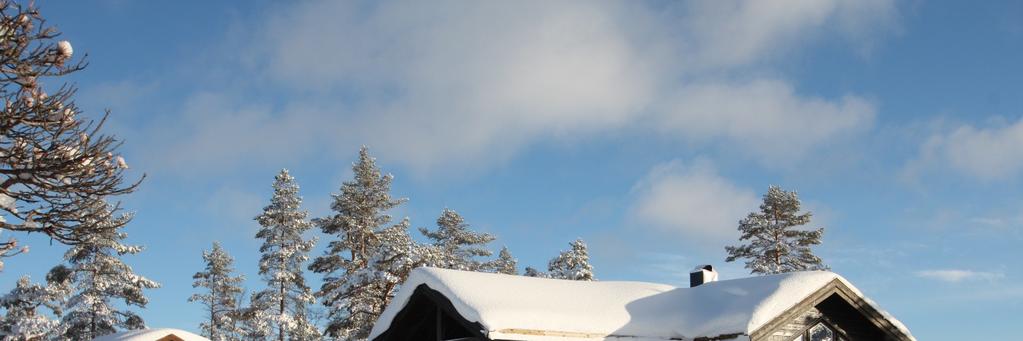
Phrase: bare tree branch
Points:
(56, 168)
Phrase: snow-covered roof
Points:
(150, 335)
(526, 308)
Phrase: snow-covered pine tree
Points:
(220, 297)
(572, 264)
(284, 250)
(370, 257)
(776, 244)
(22, 320)
(305, 329)
(54, 165)
(533, 272)
(458, 246)
(505, 263)
(97, 277)
(254, 320)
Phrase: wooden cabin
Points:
(438, 304)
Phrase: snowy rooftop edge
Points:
(600, 309)
(150, 335)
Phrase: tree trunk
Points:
(213, 308)
(281, 327)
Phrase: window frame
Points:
(805, 334)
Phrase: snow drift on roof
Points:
(150, 335)
(512, 306)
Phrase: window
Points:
(820, 332)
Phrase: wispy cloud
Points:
(456, 85)
(959, 275)
(986, 152)
(766, 117)
(693, 201)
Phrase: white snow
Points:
(65, 49)
(8, 203)
(150, 335)
(121, 163)
(510, 307)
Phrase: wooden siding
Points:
(796, 326)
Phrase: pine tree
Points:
(23, 321)
(505, 264)
(254, 320)
(458, 246)
(220, 296)
(533, 272)
(97, 276)
(284, 250)
(370, 257)
(573, 264)
(775, 244)
(55, 166)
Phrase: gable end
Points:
(429, 311)
(827, 295)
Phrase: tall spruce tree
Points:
(23, 321)
(284, 250)
(220, 298)
(457, 246)
(505, 263)
(573, 264)
(370, 257)
(775, 242)
(98, 277)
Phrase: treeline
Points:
(368, 255)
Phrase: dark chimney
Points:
(702, 274)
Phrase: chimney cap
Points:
(707, 267)
(702, 274)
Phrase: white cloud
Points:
(464, 82)
(442, 84)
(734, 33)
(239, 206)
(693, 201)
(986, 153)
(216, 132)
(957, 275)
(764, 116)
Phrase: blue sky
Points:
(646, 128)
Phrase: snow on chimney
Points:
(702, 274)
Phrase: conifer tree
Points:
(369, 258)
(305, 329)
(97, 278)
(457, 246)
(220, 298)
(23, 321)
(533, 272)
(573, 264)
(775, 242)
(505, 264)
(254, 320)
(284, 250)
